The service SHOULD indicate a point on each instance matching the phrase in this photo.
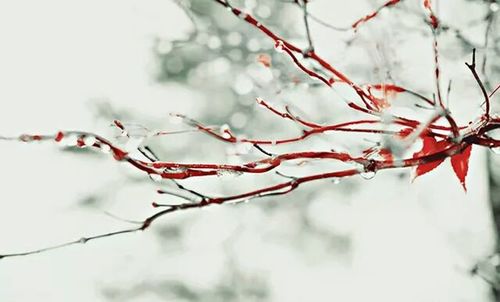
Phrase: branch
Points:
(472, 68)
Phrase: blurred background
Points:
(78, 65)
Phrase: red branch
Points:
(373, 14)
(439, 142)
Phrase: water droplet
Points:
(105, 148)
(494, 7)
(155, 177)
(367, 174)
(237, 202)
(70, 140)
(495, 150)
(89, 140)
(336, 180)
(228, 173)
(225, 131)
(224, 128)
(25, 138)
(279, 46)
(243, 15)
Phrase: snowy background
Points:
(80, 64)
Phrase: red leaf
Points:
(460, 164)
(430, 146)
